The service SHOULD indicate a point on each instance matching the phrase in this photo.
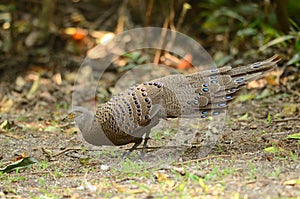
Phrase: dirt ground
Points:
(256, 153)
(253, 157)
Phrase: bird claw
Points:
(143, 152)
(125, 155)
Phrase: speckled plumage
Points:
(128, 116)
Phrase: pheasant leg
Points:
(145, 144)
(136, 144)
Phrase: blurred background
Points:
(42, 45)
(57, 34)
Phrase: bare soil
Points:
(238, 166)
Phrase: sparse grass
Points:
(269, 118)
(58, 173)
(275, 173)
(248, 172)
(293, 156)
(11, 179)
(166, 134)
(108, 153)
(252, 171)
(43, 164)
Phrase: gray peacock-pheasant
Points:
(129, 116)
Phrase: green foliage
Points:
(20, 164)
(294, 136)
(291, 41)
(269, 118)
(221, 17)
(133, 59)
(248, 25)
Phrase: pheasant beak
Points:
(69, 117)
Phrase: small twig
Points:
(260, 180)
(172, 16)
(53, 176)
(122, 17)
(201, 159)
(149, 12)
(9, 134)
(66, 150)
(48, 155)
(286, 119)
(185, 7)
(277, 133)
(156, 147)
(161, 42)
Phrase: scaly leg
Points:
(145, 144)
(136, 144)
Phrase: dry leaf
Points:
(57, 78)
(103, 37)
(260, 83)
(290, 109)
(271, 78)
(19, 157)
(79, 35)
(35, 86)
(292, 182)
(6, 104)
(123, 189)
(185, 63)
(167, 183)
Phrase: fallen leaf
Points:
(20, 83)
(19, 157)
(102, 37)
(167, 183)
(245, 97)
(290, 109)
(52, 129)
(6, 124)
(294, 136)
(185, 63)
(244, 117)
(169, 60)
(6, 104)
(257, 84)
(20, 164)
(79, 35)
(57, 78)
(271, 78)
(76, 33)
(35, 86)
(123, 189)
(274, 149)
(85, 161)
(292, 182)
(75, 196)
(88, 186)
(271, 150)
(32, 38)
